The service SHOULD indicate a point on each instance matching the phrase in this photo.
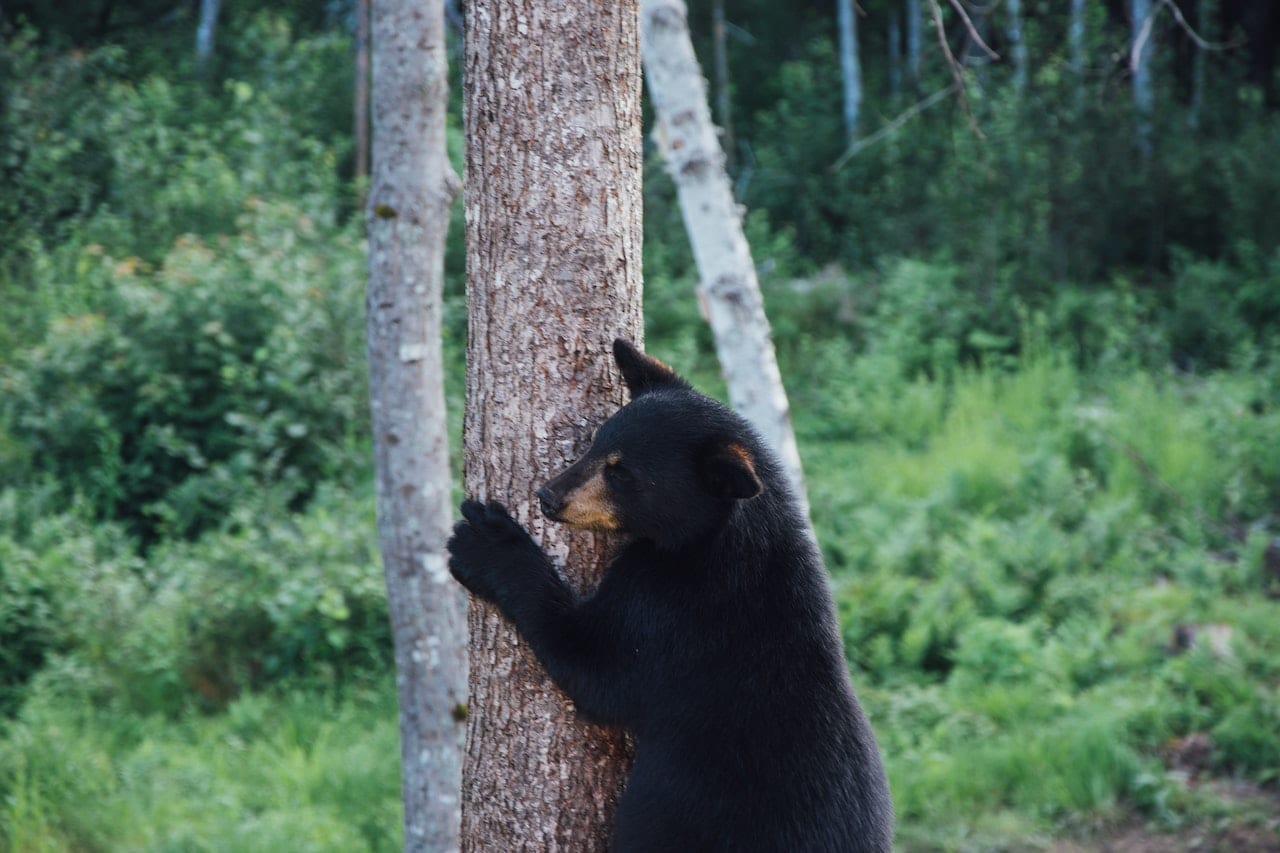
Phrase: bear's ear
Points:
(730, 471)
(641, 372)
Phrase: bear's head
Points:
(669, 466)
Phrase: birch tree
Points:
(730, 292)
(205, 31)
(1017, 47)
(553, 210)
(1076, 40)
(915, 35)
(850, 66)
(411, 189)
(1141, 25)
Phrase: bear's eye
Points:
(614, 470)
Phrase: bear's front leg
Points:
(496, 559)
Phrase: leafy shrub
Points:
(231, 367)
(272, 598)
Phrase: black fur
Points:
(712, 636)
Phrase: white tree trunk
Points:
(206, 30)
(1076, 39)
(1141, 21)
(1017, 47)
(850, 67)
(411, 189)
(730, 292)
(915, 35)
(554, 216)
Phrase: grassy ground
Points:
(1015, 554)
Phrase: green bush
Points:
(232, 367)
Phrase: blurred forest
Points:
(1031, 338)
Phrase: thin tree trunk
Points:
(730, 291)
(360, 112)
(1140, 47)
(723, 105)
(1017, 47)
(915, 22)
(205, 32)
(407, 217)
(895, 54)
(1076, 38)
(1204, 25)
(850, 67)
(553, 276)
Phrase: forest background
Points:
(1030, 339)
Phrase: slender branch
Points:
(1200, 41)
(1140, 41)
(973, 31)
(957, 72)
(888, 130)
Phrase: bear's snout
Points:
(550, 502)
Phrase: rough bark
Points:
(553, 276)
(850, 66)
(407, 217)
(730, 292)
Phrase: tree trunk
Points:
(1017, 47)
(1205, 15)
(360, 112)
(407, 217)
(205, 32)
(723, 105)
(1076, 38)
(553, 276)
(1141, 44)
(914, 39)
(730, 291)
(850, 67)
(895, 55)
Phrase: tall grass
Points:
(300, 771)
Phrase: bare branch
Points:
(973, 32)
(889, 129)
(957, 72)
(1200, 41)
(1140, 41)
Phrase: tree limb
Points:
(973, 32)
(1199, 40)
(888, 130)
(957, 72)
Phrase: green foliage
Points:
(302, 771)
(1033, 372)
(232, 366)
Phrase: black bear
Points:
(712, 637)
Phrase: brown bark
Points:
(553, 257)
(411, 189)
